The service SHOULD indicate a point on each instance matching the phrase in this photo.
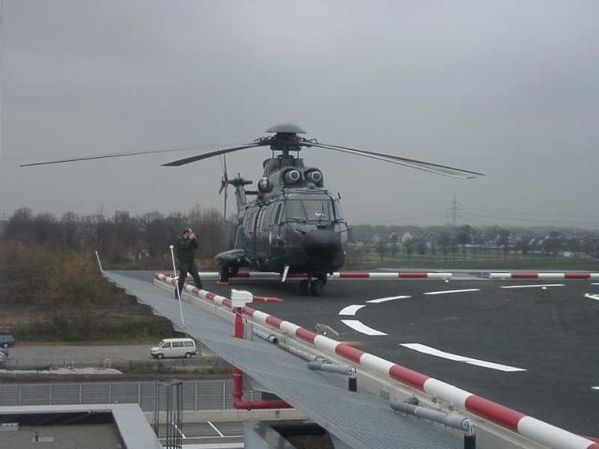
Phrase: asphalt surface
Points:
(550, 334)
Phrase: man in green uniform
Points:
(185, 247)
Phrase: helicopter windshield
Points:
(309, 210)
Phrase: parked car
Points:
(174, 348)
(6, 338)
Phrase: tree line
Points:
(122, 240)
(474, 240)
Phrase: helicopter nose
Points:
(321, 242)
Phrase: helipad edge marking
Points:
(444, 292)
(361, 327)
(350, 310)
(389, 298)
(532, 286)
(459, 358)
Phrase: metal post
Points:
(99, 263)
(469, 441)
(177, 286)
(157, 410)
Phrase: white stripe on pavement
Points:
(214, 446)
(595, 297)
(444, 292)
(180, 431)
(532, 286)
(459, 358)
(389, 298)
(215, 429)
(595, 388)
(360, 327)
(350, 310)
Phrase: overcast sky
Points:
(509, 88)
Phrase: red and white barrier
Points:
(513, 420)
(542, 275)
(388, 275)
(336, 275)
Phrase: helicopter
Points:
(292, 224)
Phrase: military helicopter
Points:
(294, 224)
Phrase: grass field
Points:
(486, 261)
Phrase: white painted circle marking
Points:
(362, 328)
(532, 286)
(350, 310)
(444, 292)
(460, 358)
(389, 298)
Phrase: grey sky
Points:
(509, 88)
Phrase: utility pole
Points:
(454, 212)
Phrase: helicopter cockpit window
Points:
(266, 216)
(309, 210)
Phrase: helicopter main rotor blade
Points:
(412, 163)
(108, 156)
(199, 157)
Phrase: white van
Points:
(173, 348)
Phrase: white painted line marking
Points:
(444, 292)
(180, 431)
(594, 283)
(595, 388)
(215, 446)
(459, 358)
(215, 429)
(360, 327)
(595, 297)
(532, 286)
(350, 310)
(389, 298)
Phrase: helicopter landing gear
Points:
(316, 287)
(226, 272)
(304, 287)
(311, 286)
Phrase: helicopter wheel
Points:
(304, 287)
(317, 287)
(322, 278)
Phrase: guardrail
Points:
(512, 420)
(198, 395)
(336, 275)
(543, 275)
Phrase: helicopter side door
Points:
(248, 232)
